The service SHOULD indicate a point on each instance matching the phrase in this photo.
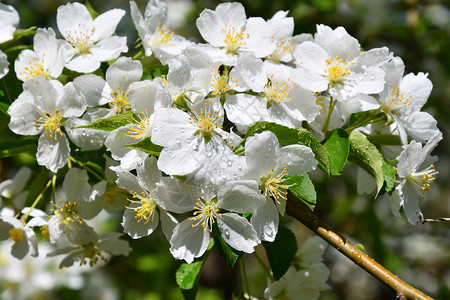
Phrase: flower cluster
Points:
(212, 149)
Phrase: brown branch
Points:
(302, 213)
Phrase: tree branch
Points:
(302, 213)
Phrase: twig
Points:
(302, 213)
(423, 220)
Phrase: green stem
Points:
(244, 279)
(264, 267)
(35, 203)
(330, 111)
(87, 168)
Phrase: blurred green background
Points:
(418, 32)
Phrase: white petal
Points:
(136, 229)
(53, 154)
(245, 110)
(188, 243)
(122, 73)
(297, 159)
(237, 232)
(240, 196)
(106, 23)
(94, 89)
(110, 48)
(76, 185)
(262, 147)
(175, 195)
(265, 221)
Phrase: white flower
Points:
(47, 60)
(306, 277)
(142, 216)
(280, 100)
(402, 99)
(191, 237)
(188, 138)
(155, 36)
(93, 251)
(11, 190)
(334, 62)
(113, 91)
(43, 108)
(279, 162)
(228, 28)
(282, 28)
(9, 19)
(417, 172)
(75, 205)
(25, 240)
(91, 40)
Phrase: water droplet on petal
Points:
(227, 233)
(239, 167)
(182, 130)
(268, 231)
(360, 78)
(229, 163)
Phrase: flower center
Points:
(232, 38)
(422, 180)
(220, 82)
(162, 37)
(146, 207)
(120, 101)
(16, 234)
(80, 39)
(274, 186)
(112, 196)
(93, 253)
(35, 69)
(283, 48)
(395, 100)
(66, 213)
(276, 92)
(51, 123)
(206, 122)
(336, 70)
(205, 214)
(141, 128)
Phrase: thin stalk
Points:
(25, 216)
(244, 278)
(330, 111)
(299, 210)
(264, 267)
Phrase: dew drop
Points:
(188, 141)
(268, 231)
(227, 233)
(182, 130)
(155, 128)
(252, 79)
(229, 163)
(239, 167)
(195, 147)
(360, 78)
(372, 77)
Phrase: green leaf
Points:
(389, 177)
(281, 252)
(305, 137)
(146, 146)
(303, 189)
(187, 275)
(366, 155)
(361, 119)
(154, 71)
(337, 146)
(111, 123)
(285, 135)
(16, 147)
(230, 254)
